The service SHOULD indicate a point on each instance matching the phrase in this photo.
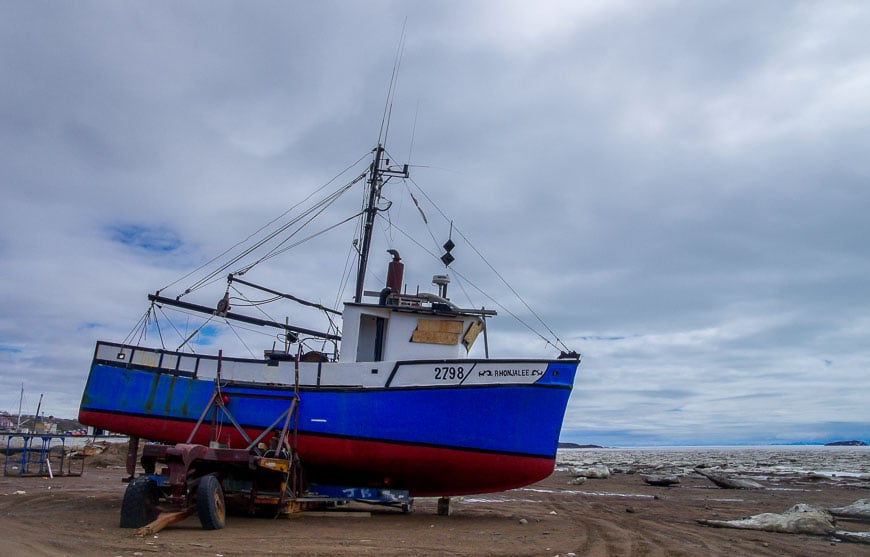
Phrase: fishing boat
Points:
(389, 398)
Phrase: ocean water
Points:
(759, 461)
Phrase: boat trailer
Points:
(187, 478)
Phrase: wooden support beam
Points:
(163, 520)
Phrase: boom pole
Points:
(239, 317)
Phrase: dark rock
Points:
(661, 479)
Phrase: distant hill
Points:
(576, 446)
(846, 444)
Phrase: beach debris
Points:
(163, 520)
(579, 480)
(95, 448)
(859, 510)
(799, 519)
(665, 480)
(596, 471)
(729, 482)
(623, 470)
(854, 537)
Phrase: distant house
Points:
(6, 423)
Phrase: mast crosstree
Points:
(378, 177)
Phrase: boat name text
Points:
(510, 372)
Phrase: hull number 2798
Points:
(449, 373)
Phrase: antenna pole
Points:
(370, 211)
(38, 407)
(20, 400)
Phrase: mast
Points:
(370, 211)
(38, 408)
(376, 182)
(20, 400)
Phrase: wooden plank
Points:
(440, 325)
(437, 331)
(435, 337)
(471, 335)
(163, 520)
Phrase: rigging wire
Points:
(180, 334)
(276, 252)
(159, 332)
(190, 313)
(194, 333)
(322, 206)
(143, 333)
(265, 226)
(413, 132)
(391, 90)
(257, 306)
(307, 216)
(319, 207)
(253, 303)
(142, 322)
(423, 215)
(345, 277)
(487, 296)
(233, 329)
(559, 346)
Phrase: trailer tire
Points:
(139, 506)
(210, 503)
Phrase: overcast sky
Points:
(679, 189)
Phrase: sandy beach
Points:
(619, 515)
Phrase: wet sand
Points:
(620, 515)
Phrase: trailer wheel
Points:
(139, 506)
(210, 503)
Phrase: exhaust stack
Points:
(395, 272)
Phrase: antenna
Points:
(20, 400)
(413, 132)
(391, 91)
(377, 173)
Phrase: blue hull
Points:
(429, 440)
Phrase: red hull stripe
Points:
(422, 470)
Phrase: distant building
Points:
(6, 423)
(48, 428)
